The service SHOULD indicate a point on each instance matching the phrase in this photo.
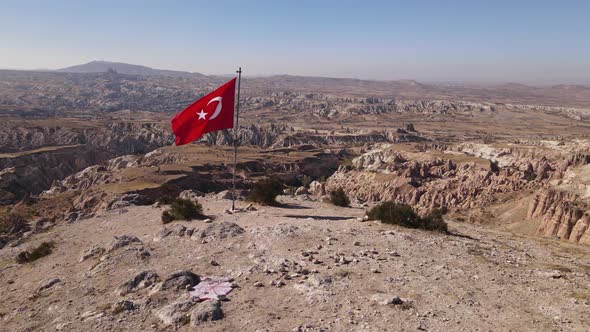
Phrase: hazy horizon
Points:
(529, 42)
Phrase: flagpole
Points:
(233, 195)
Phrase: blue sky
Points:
(538, 42)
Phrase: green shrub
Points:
(403, 215)
(292, 191)
(339, 198)
(167, 217)
(266, 191)
(182, 209)
(42, 250)
(434, 222)
(166, 199)
(13, 224)
(186, 209)
(306, 181)
(392, 213)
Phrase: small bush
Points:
(182, 209)
(13, 224)
(306, 181)
(339, 198)
(404, 215)
(266, 191)
(434, 222)
(166, 199)
(494, 167)
(392, 213)
(186, 209)
(292, 191)
(42, 250)
(167, 217)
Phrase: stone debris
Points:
(279, 230)
(92, 252)
(176, 313)
(122, 241)
(218, 231)
(91, 315)
(129, 199)
(226, 194)
(184, 311)
(180, 280)
(142, 280)
(48, 284)
(42, 224)
(176, 230)
(301, 191)
(124, 305)
(317, 188)
(385, 299)
(206, 311)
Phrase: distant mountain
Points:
(125, 68)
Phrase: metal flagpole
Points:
(233, 194)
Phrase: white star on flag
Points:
(201, 115)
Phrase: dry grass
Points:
(581, 295)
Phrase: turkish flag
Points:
(213, 112)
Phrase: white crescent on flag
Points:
(217, 109)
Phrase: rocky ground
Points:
(306, 266)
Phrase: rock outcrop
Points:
(428, 181)
(562, 215)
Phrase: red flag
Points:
(213, 112)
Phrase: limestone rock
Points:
(218, 231)
(48, 284)
(206, 311)
(92, 252)
(176, 230)
(181, 280)
(226, 194)
(124, 305)
(317, 188)
(300, 191)
(176, 313)
(42, 224)
(142, 280)
(122, 241)
(130, 199)
(191, 195)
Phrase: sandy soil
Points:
(334, 272)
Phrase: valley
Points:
(88, 159)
